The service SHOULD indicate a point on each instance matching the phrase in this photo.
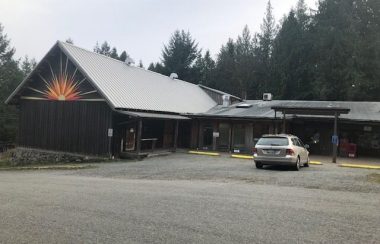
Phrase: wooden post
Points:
(275, 122)
(284, 122)
(138, 142)
(199, 136)
(175, 135)
(335, 146)
(231, 136)
(214, 129)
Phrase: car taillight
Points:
(290, 152)
(254, 150)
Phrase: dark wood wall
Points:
(70, 126)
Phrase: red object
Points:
(352, 150)
(289, 152)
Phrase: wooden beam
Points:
(335, 145)
(284, 122)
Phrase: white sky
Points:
(140, 27)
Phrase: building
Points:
(80, 101)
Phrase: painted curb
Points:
(204, 153)
(241, 156)
(361, 166)
(315, 163)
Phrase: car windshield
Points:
(273, 141)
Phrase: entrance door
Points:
(207, 136)
(130, 139)
(224, 137)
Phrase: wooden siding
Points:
(79, 127)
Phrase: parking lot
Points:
(190, 199)
(182, 166)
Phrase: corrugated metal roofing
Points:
(359, 111)
(153, 115)
(136, 88)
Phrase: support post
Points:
(284, 122)
(215, 126)
(199, 136)
(175, 136)
(138, 142)
(231, 137)
(335, 145)
(275, 122)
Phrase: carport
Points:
(330, 111)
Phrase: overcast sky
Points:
(140, 27)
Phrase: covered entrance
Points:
(138, 134)
(329, 111)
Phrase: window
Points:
(300, 143)
(273, 141)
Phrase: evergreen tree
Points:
(225, 70)
(291, 66)
(106, 50)
(204, 67)
(141, 64)
(336, 49)
(27, 65)
(10, 77)
(179, 56)
(123, 56)
(264, 50)
(245, 61)
(113, 53)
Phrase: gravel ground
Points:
(189, 199)
(182, 166)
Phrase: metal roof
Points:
(130, 87)
(153, 115)
(136, 88)
(359, 111)
(298, 109)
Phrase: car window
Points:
(294, 141)
(273, 141)
(300, 142)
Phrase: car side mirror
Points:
(307, 146)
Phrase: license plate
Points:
(270, 151)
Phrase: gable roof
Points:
(359, 111)
(135, 88)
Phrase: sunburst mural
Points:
(61, 85)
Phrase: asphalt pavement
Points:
(175, 200)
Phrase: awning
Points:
(311, 110)
(153, 115)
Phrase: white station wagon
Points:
(281, 149)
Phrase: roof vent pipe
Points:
(226, 100)
(173, 76)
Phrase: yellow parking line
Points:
(241, 156)
(204, 153)
(362, 166)
(315, 162)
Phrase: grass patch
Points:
(374, 178)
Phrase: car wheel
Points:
(298, 164)
(307, 162)
(259, 165)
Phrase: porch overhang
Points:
(148, 115)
